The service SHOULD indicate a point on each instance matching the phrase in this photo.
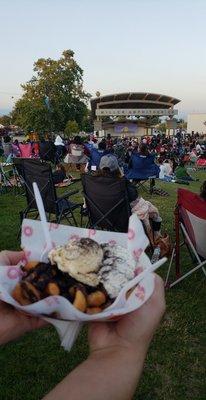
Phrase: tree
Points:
(53, 96)
(5, 120)
(71, 128)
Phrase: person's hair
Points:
(143, 149)
(102, 145)
(203, 190)
(7, 139)
(77, 140)
(106, 172)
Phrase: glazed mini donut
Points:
(80, 301)
(30, 292)
(93, 310)
(96, 299)
(18, 295)
(30, 265)
(52, 289)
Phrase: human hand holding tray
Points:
(69, 319)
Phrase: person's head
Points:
(203, 190)
(102, 145)
(143, 150)
(109, 166)
(77, 140)
(7, 139)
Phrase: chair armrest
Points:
(68, 194)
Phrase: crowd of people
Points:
(158, 156)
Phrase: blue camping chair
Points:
(143, 168)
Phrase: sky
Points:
(122, 45)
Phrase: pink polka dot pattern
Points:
(140, 292)
(27, 230)
(131, 234)
(14, 273)
(137, 253)
(53, 226)
(138, 270)
(112, 242)
(74, 237)
(92, 232)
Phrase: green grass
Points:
(175, 365)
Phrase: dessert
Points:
(90, 275)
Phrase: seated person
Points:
(142, 165)
(60, 149)
(59, 175)
(96, 155)
(109, 167)
(165, 170)
(76, 152)
(47, 150)
(182, 174)
(15, 149)
(7, 148)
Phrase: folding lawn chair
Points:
(6, 181)
(190, 218)
(107, 202)
(35, 171)
(143, 169)
(25, 150)
(18, 169)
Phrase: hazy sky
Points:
(122, 45)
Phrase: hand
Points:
(132, 330)
(14, 323)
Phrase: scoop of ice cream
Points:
(80, 258)
(117, 269)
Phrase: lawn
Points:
(175, 365)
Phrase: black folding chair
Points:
(35, 171)
(107, 202)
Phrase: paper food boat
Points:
(70, 319)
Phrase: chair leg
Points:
(169, 268)
(188, 273)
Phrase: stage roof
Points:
(133, 100)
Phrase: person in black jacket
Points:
(109, 167)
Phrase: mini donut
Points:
(30, 292)
(80, 301)
(52, 289)
(96, 299)
(30, 265)
(93, 310)
(18, 295)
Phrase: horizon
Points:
(156, 48)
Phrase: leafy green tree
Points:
(5, 120)
(71, 128)
(53, 96)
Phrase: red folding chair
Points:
(190, 219)
(25, 150)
